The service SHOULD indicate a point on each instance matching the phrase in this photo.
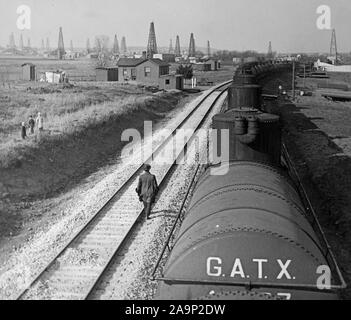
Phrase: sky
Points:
(228, 24)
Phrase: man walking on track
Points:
(147, 189)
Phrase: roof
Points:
(171, 76)
(159, 62)
(106, 68)
(27, 64)
(207, 59)
(130, 62)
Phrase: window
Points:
(167, 81)
(133, 74)
(164, 70)
(147, 71)
(125, 74)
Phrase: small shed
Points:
(107, 74)
(170, 82)
(128, 68)
(202, 66)
(215, 64)
(28, 72)
(54, 76)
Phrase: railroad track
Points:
(75, 271)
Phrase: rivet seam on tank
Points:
(254, 164)
(230, 229)
(270, 193)
(239, 293)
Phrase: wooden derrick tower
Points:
(192, 50)
(333, 48)
(124, 46)
(151, 45)
(115, 46)
(177, 48)
(61, 46)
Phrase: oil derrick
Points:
(88, 46)
(72, 48)
(61, 46)
(333, 47)
(192, 46)
(42, 45)
(170, 50)
(47, 44)
(177, 48)
(151, 45)
(124, 46)
(115, 46)
(28, 43)
(208, 49)
(270, 51)
(12, 44)
(21, 42)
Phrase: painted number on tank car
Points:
(214, 268)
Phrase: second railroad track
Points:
(75, 271)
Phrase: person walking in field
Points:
(40, 122)
(23, 131)
(147, 189)
(31, 124)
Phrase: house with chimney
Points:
(150, 72)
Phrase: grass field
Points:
(222, 75)
(71, 110)
(66, 109)
(81, 68)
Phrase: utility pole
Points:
(293, 81)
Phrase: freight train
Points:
(247, 234)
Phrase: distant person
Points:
(40, 122)
(147, 189)
(23, 131)
(31, 124)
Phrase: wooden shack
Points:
(28, 72)
(107, 74)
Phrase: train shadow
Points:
(171, 214)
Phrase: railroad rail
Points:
(76, 270)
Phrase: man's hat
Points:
(147, 167)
